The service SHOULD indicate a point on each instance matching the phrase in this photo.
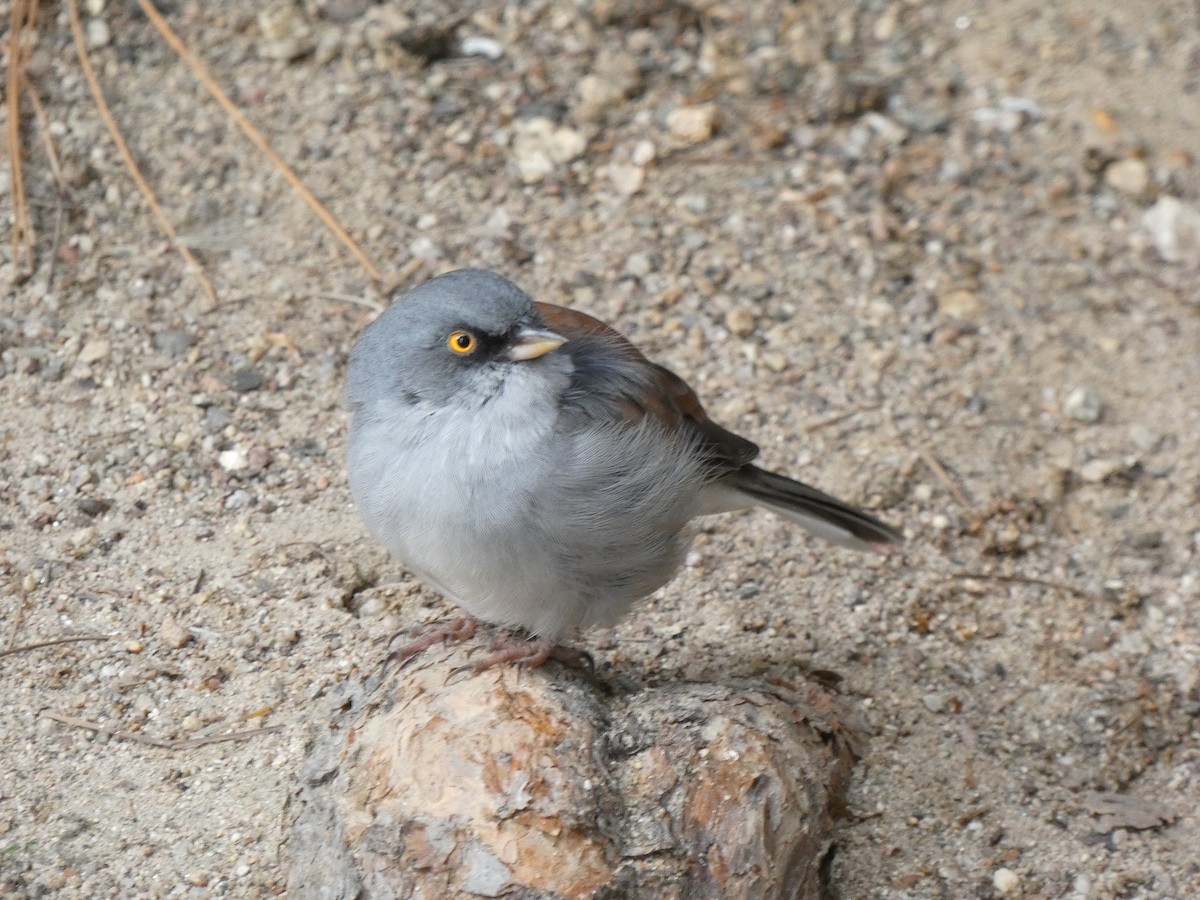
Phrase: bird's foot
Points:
(529, 654)
(455, 631)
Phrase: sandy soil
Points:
(902, 249)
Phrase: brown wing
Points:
(653, 391)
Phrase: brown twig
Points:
(18, 618)
(21, 18)
(11, 651)
(1025, 579)
(64, 189)
(831, 420)
(110, 123)
(138, 738)
(943, 476)
(39, 112)
(224, 738)
(256, 137)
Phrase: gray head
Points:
(462, 328)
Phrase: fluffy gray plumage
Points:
(537, 492)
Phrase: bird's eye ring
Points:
(461, 342)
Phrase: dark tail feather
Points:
(818, 512)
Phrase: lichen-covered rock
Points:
(547, 784)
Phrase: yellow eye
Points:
(461, 342)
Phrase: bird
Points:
(528, 462)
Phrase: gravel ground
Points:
(938, 258)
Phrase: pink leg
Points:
(530, 654)
(453, 632)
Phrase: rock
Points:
(98, 34)
(94, 351)
(92, 506)
(545, 783)
(173, 635)
(478, 45)
(1144, 438)
(286, 35)
(428, 43)
(340, 12)
(233, 460)
(1006, 881)
(626, 179)
(614, 77)
(740, 321)
(639, 265)
(962, 305)
(1129, 176)
(173, 341)
(1083, 405)
(245, 380)
(1174, 228)
(1097, 470)
(643, 153)
(1011, 114)
(540, 147)
(693, 123)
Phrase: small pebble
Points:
(172, 634)
(286, 35)
(1150, 539)
(238, 500)
(1129, 176)
(962, 305)
(643, 153)
(1083, 405)
(233, 460)
(93, 507)
(693, 123)
(84, 537)
(94, 351)
(626, 179)
(740, 321)
(1098, 470)
(541, 147)
(246, 380)
(1006, 881)
(173, 341)
(477, 45)
(98, 34)
(1143, 438)
(371, 607)
(638, 265)
(1174, 228)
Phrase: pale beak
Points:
(530, 343)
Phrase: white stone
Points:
(232, 460)
(1006, 881)
(626, 179)
(1083, 405)
(693, 123)
(1098, 470)
(540, 147)
(1174, 228)
(1129, 176)
(94, 351)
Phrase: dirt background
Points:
(899, 244)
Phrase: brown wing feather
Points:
(669, 399)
